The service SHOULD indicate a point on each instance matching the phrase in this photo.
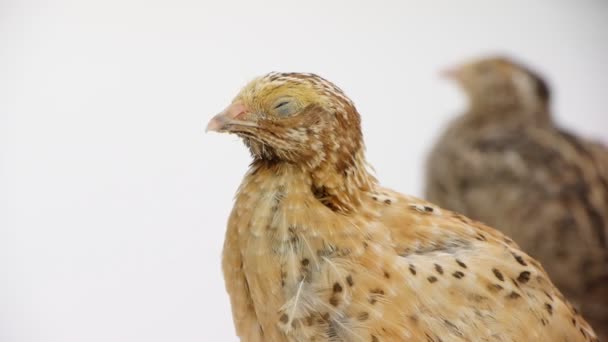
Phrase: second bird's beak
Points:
(230, 115)
(452, 73)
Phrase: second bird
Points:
(506, 163)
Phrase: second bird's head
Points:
(500, 81)
(294, 117)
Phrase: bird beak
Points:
(453, 73)
(228, 116)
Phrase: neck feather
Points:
(340, 189)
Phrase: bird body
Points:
(505, 163)
(317, 250)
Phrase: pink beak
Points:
(229, 115)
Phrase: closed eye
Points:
(286, 107)
(281, 104)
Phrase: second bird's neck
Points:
(503, 111)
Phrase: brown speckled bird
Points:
(505, 163)
(317, 250)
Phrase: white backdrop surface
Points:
(113, 203)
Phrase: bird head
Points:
(499, 81)
(294, 117)
(303, 120)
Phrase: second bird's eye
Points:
(483, 68)
(285, 107)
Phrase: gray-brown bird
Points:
(317, 250)
(505, 162)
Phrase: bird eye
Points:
(285, 107)
(281, 104)
(483, 68)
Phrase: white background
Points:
(113, 202)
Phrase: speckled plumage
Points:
(504, 162)
(317, 250)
